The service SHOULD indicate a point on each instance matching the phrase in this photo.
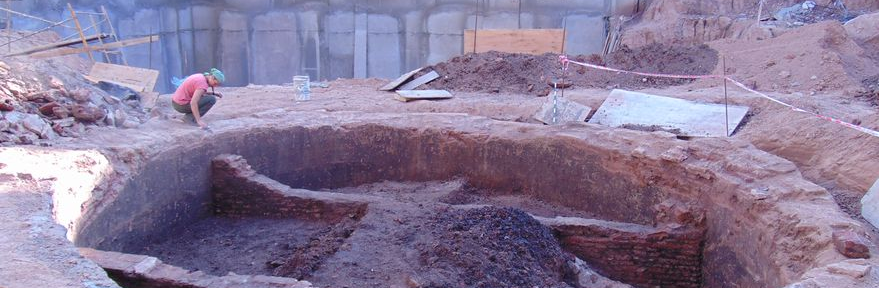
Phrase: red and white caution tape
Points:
(565, 61)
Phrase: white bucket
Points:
(303, 87)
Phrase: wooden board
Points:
(640, 111)
(138, 79)
(108, 46)
(424, 79)
(410, 95)
(528, 41)
(400, 80)
(558, 110)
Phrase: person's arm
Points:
(193, 104)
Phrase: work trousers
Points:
(204, 105)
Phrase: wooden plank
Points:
(108, 46)
(410, 95)
(558, 110)
(640, 111)
(138, 79)
(56, 45)
(399, 81)
(424, 79)
(527, 41)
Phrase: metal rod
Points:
(85, 43)
(150, 65)
(36, 32)
(86, 29)
(520, 14)
(725, 96)
(100, 40)
(760, 12)
(113, 33)
(29, 16)
(475, 26)
(9, 24)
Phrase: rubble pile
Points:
(44, 100)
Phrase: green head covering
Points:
(217, 74)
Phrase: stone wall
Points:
(267, 42)
(640, 255)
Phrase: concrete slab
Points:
(400, 80)
(410, 95)
(558, 110)
(424, 79)
(642, 111)
(870, 205)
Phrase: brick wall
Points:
(635, 254)
(240, 191)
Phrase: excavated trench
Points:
(382, 203)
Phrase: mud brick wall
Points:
(239, 191)
(639, 255)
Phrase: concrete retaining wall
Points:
(267, 42)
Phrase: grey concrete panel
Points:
(233, 48)
(276, 59)
(171, 49)
(588, 37)
(360, 45)
(205, 37)
(383, 42)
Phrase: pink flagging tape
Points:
(565, 61)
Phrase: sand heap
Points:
(531, 74)
(815, 58)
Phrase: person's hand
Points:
(202, 124)
(218, 94)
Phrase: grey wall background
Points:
(269, 41)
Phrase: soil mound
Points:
(492, 247)
(814, 58)
(534, 74)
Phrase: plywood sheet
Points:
(558, 110)
(409, 95)
(528, 41)
(642, 111)
(399, 81)
(138, 79)
(424, 79)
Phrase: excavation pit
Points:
(718, 207)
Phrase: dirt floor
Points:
(411, 238)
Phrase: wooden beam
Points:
(108, 46)
(85, 43)
(57, 45)
(528, 41)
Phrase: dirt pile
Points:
(814, 58)
(42, 100)
(701, 21)
(533, 74)
(492, 247)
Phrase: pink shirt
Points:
(192, 83)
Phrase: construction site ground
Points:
(837, 158)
